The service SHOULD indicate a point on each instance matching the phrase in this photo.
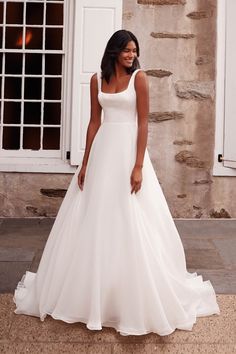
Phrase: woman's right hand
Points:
(81, 177)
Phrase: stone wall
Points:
(178, 43)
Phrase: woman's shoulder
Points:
(140, 78)
(140, 73)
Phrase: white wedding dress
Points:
(114, 258)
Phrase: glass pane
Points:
(12, 111)
(13, 63)
(51, 10)
(52, 113)
(1, 12)
(34, 14)
(14, 37)
(32, 88)
(1, 62)
(33, 64)
(0, 111)
(34, 38)
(53, 64)
(14, 12)
(52, 89)
(11, 138)
(53, 38)
(51, 138)
(31, 138)
(0, 37)
(32, 112)
(12, 87)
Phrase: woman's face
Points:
(127, 55)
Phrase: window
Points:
(31, 65)
(48, 51)
(225, 142)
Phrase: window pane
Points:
(53, 38)
(51, 138)
(14, 37)
(53, 64)
(11, 138)
(13, 63)
(32, 112)
(34, 14)
(12, 111)
(1, 12)
(14, 12)
(32, 88)
(31, 138)
(0, 37)
(51, 10)
(52, 113)
(33, 64)
(12, 87)
(52, 89)
(34, 38)
(0, 62)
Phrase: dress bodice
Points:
(121, 106)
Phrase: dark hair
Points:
(115, 45)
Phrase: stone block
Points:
(158, 73)
(161, 2)
(172, 35)
(198, 15)
(162, 116)
(189, 158)
(197, 90)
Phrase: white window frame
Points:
(218, 167)
(59, 164)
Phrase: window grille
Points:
(31, 80)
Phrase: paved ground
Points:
(210, 248)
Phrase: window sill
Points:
(36, 166)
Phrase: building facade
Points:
(49, 51)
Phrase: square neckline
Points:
(115, 93)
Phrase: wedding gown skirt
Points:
(114, 258)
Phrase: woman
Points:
(114, 256)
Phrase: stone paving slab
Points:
(210, 247)
(10, 274)
(22, 334)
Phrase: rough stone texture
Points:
(21, 193)
(172, 35)
(202, 60)
(162, 116)
(198, 15)
(53, 193)
(158, 73)
(189, 158)
(195, 90)
(182, 142)
(161, 2)
(219, 214)
(202, 181)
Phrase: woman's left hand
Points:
(136, 179)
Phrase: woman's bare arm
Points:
(142, 94)
(95, 118)
(142, 101)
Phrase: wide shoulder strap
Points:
(132, 79)
(99, 80)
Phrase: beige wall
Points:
(177, 40)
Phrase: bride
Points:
(114, 256)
